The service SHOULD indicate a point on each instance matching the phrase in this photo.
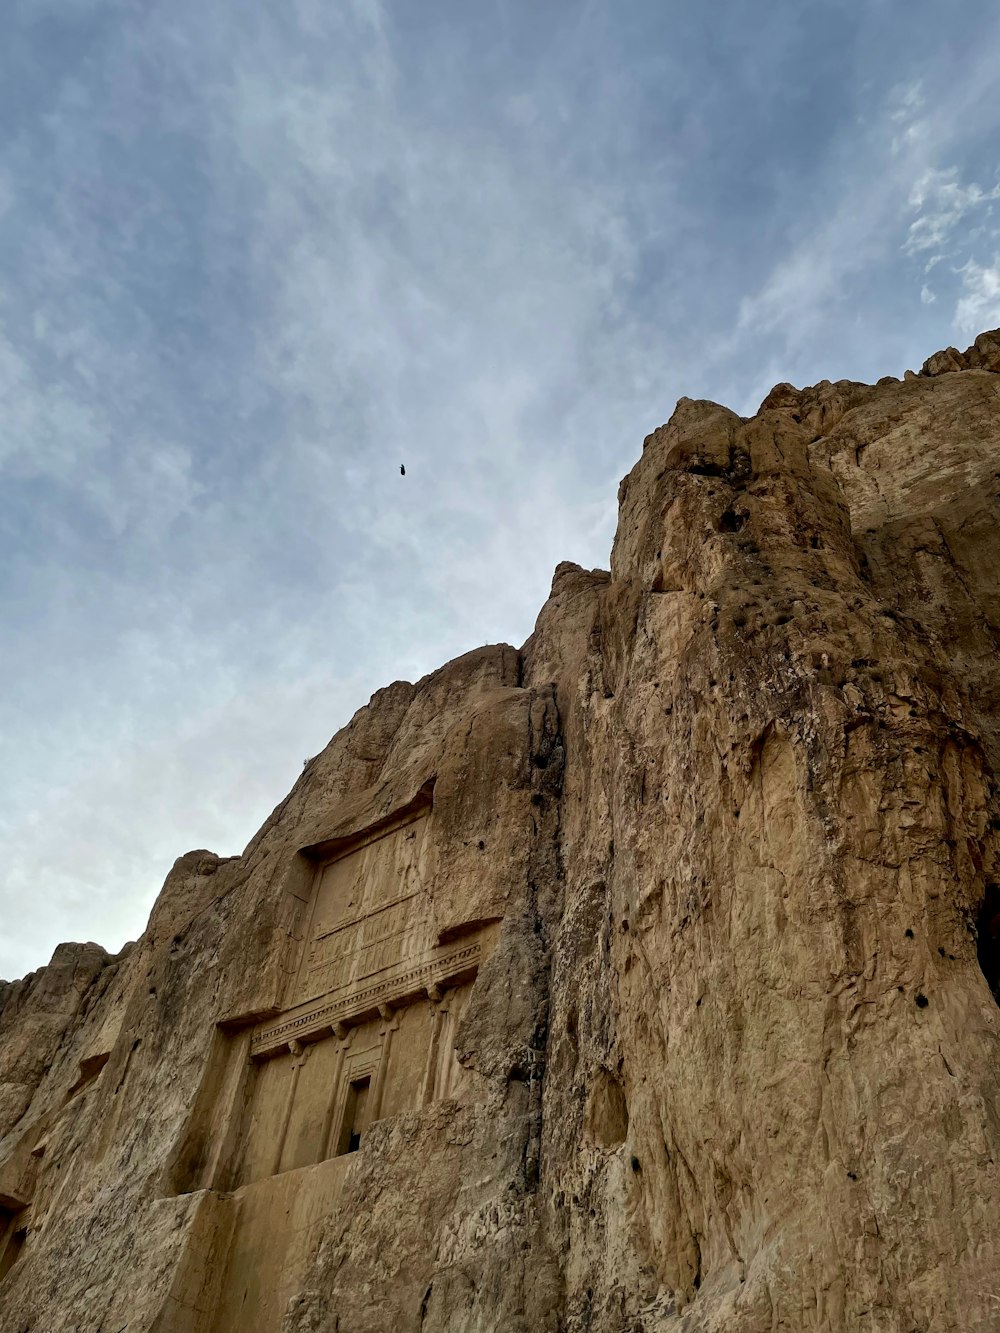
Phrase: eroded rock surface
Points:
(641, 979)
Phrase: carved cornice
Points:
(403, 984)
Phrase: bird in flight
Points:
(402, 470)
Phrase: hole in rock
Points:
(12, 1238)
(605, 1117)
(732, 521)
(699, 468)
(922, 1001)
(988, 938)
(90, 1068)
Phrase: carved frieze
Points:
(403, 984)
(371, 940)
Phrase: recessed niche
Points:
(90, 1069)
(356, 1115)
(606, 1114)
(13, 1233)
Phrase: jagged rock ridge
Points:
(641, 979)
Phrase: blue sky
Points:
(256, 255)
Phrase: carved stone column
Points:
(439, 1014)
(390, 1023)
(448, 1044)
(330, 1124)
(300, 1054)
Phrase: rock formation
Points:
(641, 979)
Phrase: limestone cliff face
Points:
(643, 979)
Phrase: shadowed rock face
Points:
(643, 979)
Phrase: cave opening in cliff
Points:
(12, 1237)
(988, 938)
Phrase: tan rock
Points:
(643, 979)
(941, 363)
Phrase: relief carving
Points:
(369, 910)
(359, 948)
(368, 1028)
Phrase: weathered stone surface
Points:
(643, 979)
(984, 354)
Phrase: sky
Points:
(257, 255)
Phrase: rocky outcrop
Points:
(36, 1014)
(641, 979)
(984, 354)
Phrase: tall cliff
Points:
(641, 979)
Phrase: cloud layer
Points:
(258, 256)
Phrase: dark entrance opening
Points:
(13, 1233)
(355, 1116)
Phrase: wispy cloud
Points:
(942, 205)
(259, 257)
(979, 305)
(890, 195)
(850, 230)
